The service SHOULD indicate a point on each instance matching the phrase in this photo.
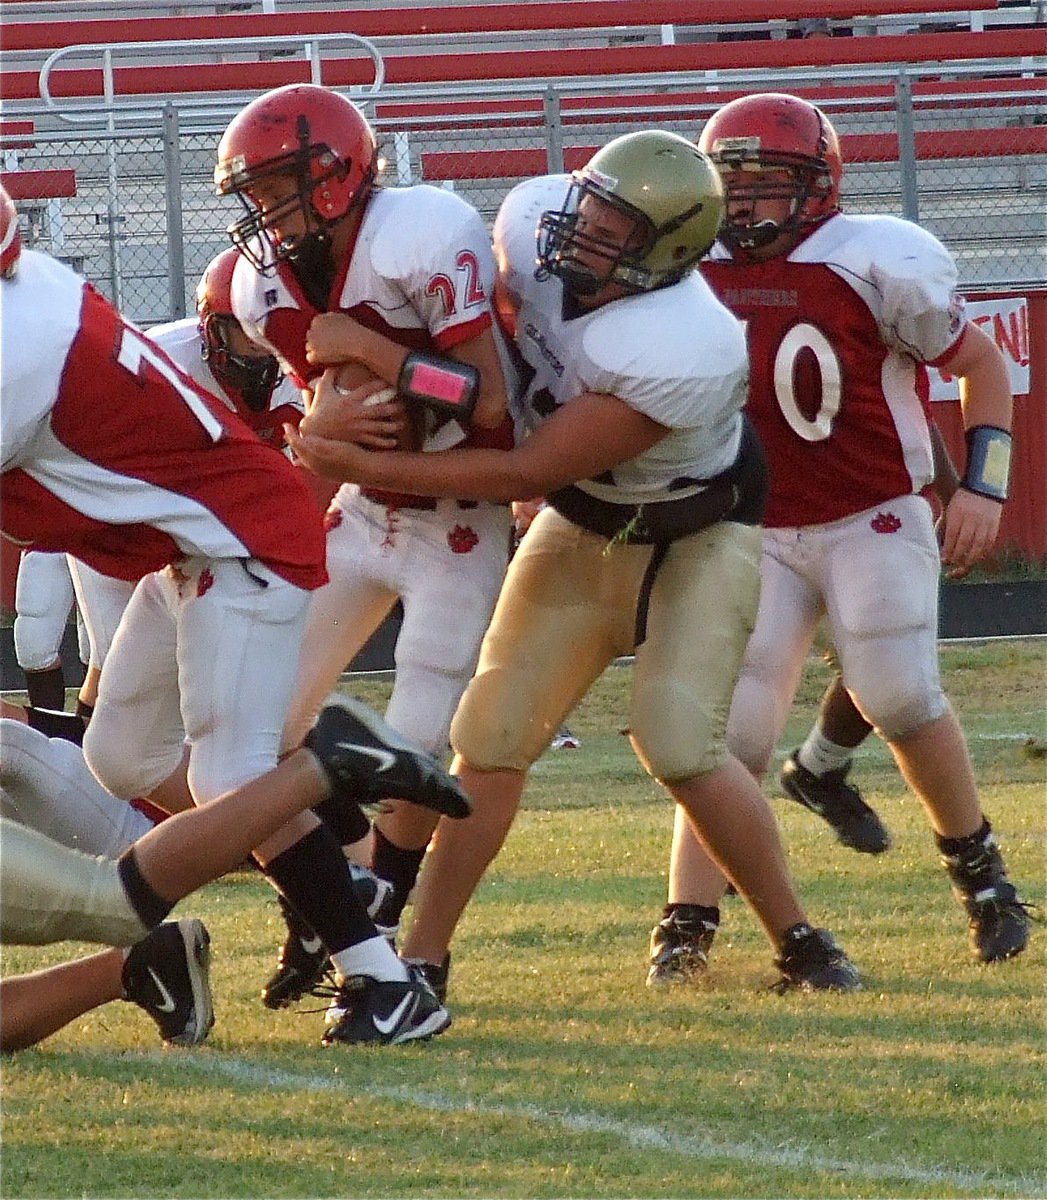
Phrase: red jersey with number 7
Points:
(113, 454)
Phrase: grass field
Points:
(562, 1075)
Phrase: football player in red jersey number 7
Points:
(114, 455)
(844, 314)
(398, 282)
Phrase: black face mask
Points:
(253, 377)
(314, 268)
(750, 237)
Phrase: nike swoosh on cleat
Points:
(167, 1003)
(386, 759)
(389, 1024)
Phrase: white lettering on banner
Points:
(1006, 321)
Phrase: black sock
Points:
(46, 688)
(347, 820)
(314, 876)
(150, 907)
(400, 867)
(955, 847)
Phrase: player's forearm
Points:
(985, 396)
(461, 474)
(381, 355)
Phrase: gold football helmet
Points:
(670, 191)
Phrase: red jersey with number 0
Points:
(839, 333)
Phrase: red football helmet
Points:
(10, 237)
(774, 131)
(252, 376)
(311, 134)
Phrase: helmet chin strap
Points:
(579, 280)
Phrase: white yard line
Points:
(644, 1137)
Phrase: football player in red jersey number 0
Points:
(844, 314)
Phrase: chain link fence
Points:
(966, 156)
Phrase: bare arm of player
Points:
(946, 481)
(337, 337)
(591, 434)
(972, 521)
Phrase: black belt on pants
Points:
(399, 499)
(737, 494)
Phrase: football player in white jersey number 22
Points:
(395, 282)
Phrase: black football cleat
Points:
(998, 919)
(168, 974)
(366, 761)
(383, 1012)
(839, 804)
(811, 961)
(301, 965)
(680, 946)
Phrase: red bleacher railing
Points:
(857, 148)
(16, 135)
(537, 65)
(627, 106)
(39, 185)
(464, 19)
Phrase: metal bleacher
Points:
(941, 107)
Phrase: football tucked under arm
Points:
(351, 404)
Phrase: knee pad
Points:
(671, 747)
(118, 761)
(422, 704)
(52, 893)
(498, 730)
(897, 698)
(38, 640)
(753, 723)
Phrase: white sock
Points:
(819, 755)
(375, 958)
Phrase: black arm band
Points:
(446, 386)
(988, 462)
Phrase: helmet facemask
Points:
(309, 167)
(808, 189)
(252, 376)
(561, 237)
